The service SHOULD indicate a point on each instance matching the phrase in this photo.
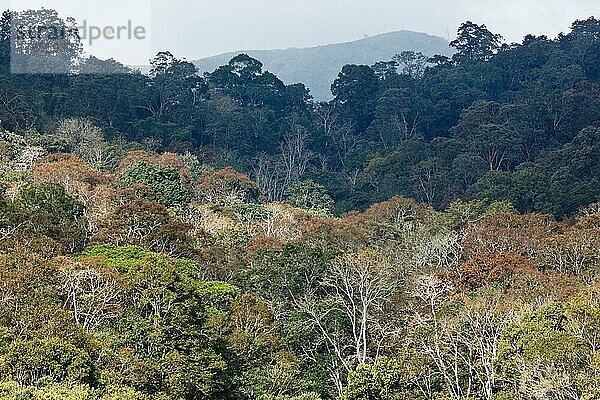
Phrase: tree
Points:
(5, 38)
(227, 187)
(546, 350)
(475, 43)
(584, 40)
(355, 89)
(462, 344)
(46, 360)
(44, 215)
(411, 63)
(44, 43)
(380, 381)
(163, 343)
(573, 251)
(294, 152)
(85, 140)
(175, 83)
(359, 286)
(91, 187)
(385, 69)
(145, 223)
(29, 301)
(164, 181)
(310, 196)
(94, 295)
(486, 129)
(244, 80)
(398, 114)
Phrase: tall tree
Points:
(475, 43)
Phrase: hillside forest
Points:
(431, 233)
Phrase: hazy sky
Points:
(197, 28)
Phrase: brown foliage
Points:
(145, 223)
(65, 168)
(227, 186)
(516, 275)
(94, 189)
(493, 269)
(510, 233)
(396, 210)
(258, 243)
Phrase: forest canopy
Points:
(432, 232)
(497, 122)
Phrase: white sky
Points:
(198, 28)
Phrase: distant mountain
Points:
(317, 67)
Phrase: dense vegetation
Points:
(186, 237)
(497, 122)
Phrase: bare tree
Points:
(17, 109)
(279, 221)
(362, 284)
(270, 176)
(327, 118)
(549, 382)
(573, 252)
(90, 144)
(464, 344)
(28, 156)
(358, 287)
(345, 141)
(426, 175)
(341, 134)
(441, 252)
(295, 153)
(590, 210)
(431, 289)
(477, 332)
(274, 174)
(93, 296)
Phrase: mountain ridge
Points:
(300, 64)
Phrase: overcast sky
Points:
(198, 28)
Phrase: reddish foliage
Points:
(227, 184)
(505, 232)
(493, 269)
(66, 168)
(395, 210)
(258, 243)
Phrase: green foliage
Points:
(294, 269)
(304, 396)
(126, 258)
(164, 181)
(543, 336)
(549, 343)
(121, 258)
(495, 123)
(379, 381)
(13, 391)
(310, 196)
(46, 216)
(45, 361)
(475, 43)
(219, 295)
